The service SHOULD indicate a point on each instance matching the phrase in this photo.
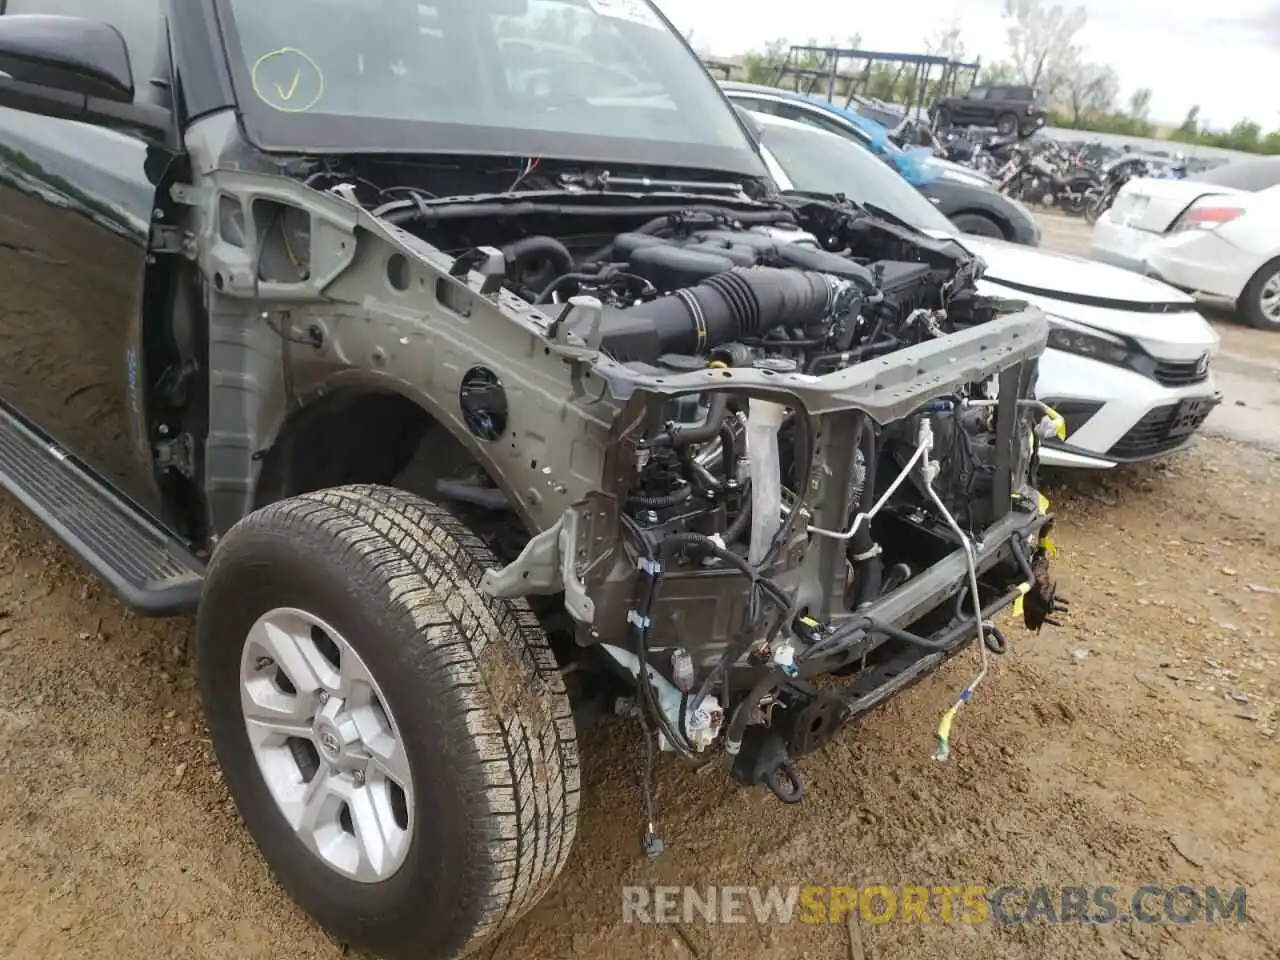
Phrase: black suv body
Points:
(1008, 108)
(465, 384)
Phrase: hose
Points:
(547, 248)
(736, 305)
(680, 435)
(550, 289)
(868, 568)
(742, 713)
(734, 532)
(660, 503)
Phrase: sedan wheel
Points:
(1269, 299)
(1260, 302)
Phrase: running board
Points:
(150, 569)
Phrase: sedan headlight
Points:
(1083, 341)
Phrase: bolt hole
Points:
(398, 272)
(328, 649)
(399, 804)
(306, 756)
(284, 684)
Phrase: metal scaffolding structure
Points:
(852, 69)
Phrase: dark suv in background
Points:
(1007, 108)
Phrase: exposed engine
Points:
(692, 289)
(799, 443)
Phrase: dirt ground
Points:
(1137, 744)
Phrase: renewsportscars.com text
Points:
(951, 903)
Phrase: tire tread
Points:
(507, 693)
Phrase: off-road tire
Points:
(1251, 300)
(479, 701)
(1006, 124)
(979, 225)
(942, 119)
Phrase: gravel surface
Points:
(1134, 745)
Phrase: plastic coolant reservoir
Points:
(763, 421)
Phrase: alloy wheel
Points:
(326, 744)
(1269, 298)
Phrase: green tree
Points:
(1189, 129)
(1090, 91)
(1140, 105)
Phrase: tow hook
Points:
(1042, 600)
(763, 759)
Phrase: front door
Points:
(75, 209)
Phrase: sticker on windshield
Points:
(633, 11)
(287, 80)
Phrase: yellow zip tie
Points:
(1059, 422)
(943, 750)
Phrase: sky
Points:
(1223, 55)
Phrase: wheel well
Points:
(1265, 269)
(362, 436)
(1005, 230)
(354, 436)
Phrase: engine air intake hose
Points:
(735, 305)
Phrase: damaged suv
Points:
(459, 364)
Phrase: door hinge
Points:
(171, 240)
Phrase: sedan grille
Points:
(1163, 429)
(1181, 373)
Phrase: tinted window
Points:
(885, 118)
(139, 21)
(816, 119)
(979, 93)
(825, 164)
(750, 103)
(1251, 175)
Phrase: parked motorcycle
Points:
(1114, 176)
(1049, 177)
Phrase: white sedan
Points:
(1216, 236)
(1128, 358)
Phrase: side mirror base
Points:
(152, 122)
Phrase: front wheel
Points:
(399, 745)
(1260, 302)
(1006, 124)
(978, 225)
(1097, 206)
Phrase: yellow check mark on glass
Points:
(293, 87)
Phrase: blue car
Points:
(967, 198)
(918, 165)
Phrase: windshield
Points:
(819, 162)
(583, 79)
